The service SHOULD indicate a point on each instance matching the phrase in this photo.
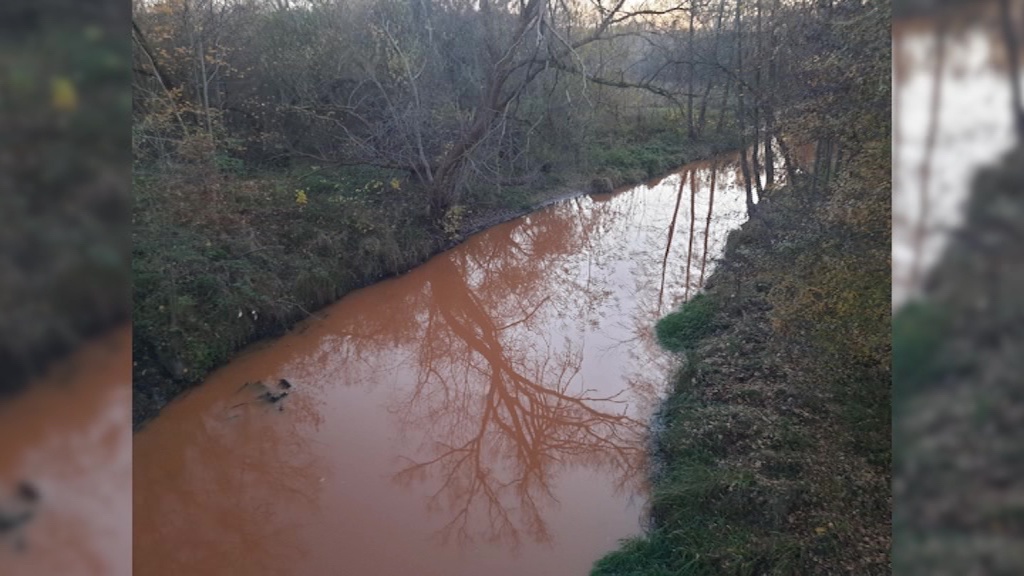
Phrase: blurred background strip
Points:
(958, 288)
(65, 288)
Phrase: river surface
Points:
(484, 413)
(951, 117)
(68, 436)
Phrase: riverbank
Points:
(268, 250)
(64, 274)
(774, 454)
(956, 384)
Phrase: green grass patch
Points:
(630, 159)
(682, 330)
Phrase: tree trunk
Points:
(205, 86)
(702, 115)
(769, 112)
(769, 155)
(747, 185)
(165, 81)
(755, 153)
(1012, 54)
(741, 114)
(757, 104)
(443, 187)
(787, 158)
(693, 73)
(724, 107)
(707, 90)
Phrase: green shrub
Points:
(681, 330)
(229, 164)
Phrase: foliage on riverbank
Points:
(776, 451)
(223, 256)
(63, 194)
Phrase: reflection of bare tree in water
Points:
(954, 64)
(704, 182)
(498, 408)
(487, 344)
(503, 408)
(693, 216)
(925, 172)
(703, 179)
(668, 244)
(707, 225)
(1009, 33)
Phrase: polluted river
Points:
(484, 413)
(66, 466)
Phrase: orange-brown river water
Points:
(484, 413)
(68, 437)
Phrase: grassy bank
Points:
(775, 454)
(957, 394)
(224, 256)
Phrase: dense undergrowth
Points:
(63, 192)
(262, 253)
(775, 453)
(224, 255)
